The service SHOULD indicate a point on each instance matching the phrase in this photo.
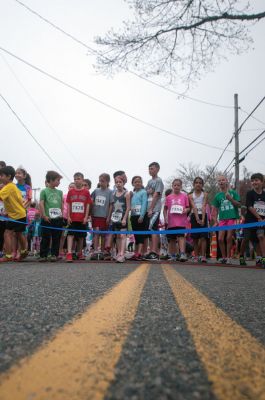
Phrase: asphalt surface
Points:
(159, 359)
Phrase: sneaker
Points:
(222, 261)
(120, 259)
(23, 255)
(136, 257)
(81, 257)
(164, 257)
(53, 259)
(74, 256)
(228, 261)
(242, 260)
(195, 260)
(203, 259)
(151, 257)
(171, 259)
(6, 259)
(258, 262)
(263, 262)
(69, 257)
(183, 257)
(42, 259)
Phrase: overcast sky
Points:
(81, 134)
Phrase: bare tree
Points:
(178, 40)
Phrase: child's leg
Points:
(196, 247)
(182, 244)
(8, 242)
(79, 245)
(56, 237)
(96, 240)
(123, 244)
(221, 240)
(229, 242)
(22, 241)
(203, 245)
(45, 242)
(172, 246)
(70, 241)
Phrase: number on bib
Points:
(260, 208)
(116, 217)
(176, 209)
(136, 210)
(55, 213)
(78, 207)
(100, 201)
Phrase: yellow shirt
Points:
(13, 201)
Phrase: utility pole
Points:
(236, 143)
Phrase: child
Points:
(24, 185)
(175, 214)
(14, 208)
(119, 215)
(51, 208)
(154, 190)
(101, 211)
(198, 202)
(225, 205)
(35, 233)
(78, 200)
(138, 215)
(255, 202)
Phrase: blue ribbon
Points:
(162, 232)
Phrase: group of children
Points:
(116, 210)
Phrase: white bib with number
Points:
(136, 210)
(116, 217)
(78, 207)
(55, 213)
(176, 209)
(260, 208)
(100, 201)
(2, 208)
(199, 210)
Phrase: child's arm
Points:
(194, 208)
(128, 207)
(155, 198)
(42, 212)
(165, 213)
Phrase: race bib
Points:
(199, 210)
(55, 213)
(136, 210)
(260, 208)
(78, 207)
(176, 209)
(2, 208)
(116, 217)
(100, 201)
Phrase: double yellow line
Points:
(79, 362)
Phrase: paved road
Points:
(131, 331)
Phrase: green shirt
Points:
(226, 210)
(52, 202)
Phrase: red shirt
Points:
(78, 201)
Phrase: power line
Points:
(253, 141)
(35, 140)
(108, 105)
(40, 112)
(256, 119)
(250, 114)
(97, 53)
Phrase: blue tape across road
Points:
(162, 232)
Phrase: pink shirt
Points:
(31, 214)
(175, 204)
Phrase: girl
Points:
(198, 202)
(119, 216)
(175, 215)
(138, 215)
(24, 185)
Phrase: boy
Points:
(78, 200)
(51, 210)
(154, 190)
(13, 205)
(225, 204)
(255, 202)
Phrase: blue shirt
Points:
(139, 203)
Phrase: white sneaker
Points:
(183, 257)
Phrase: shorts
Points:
(77, 226)
(17, 226)
(117, 226)
(136, 226)
(195, 225)
(227, 222)
(253, 233)
(100, 223)
(175, 235)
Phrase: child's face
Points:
(103, 183)
(176, 186)
(222, 182)
(257, 184)
(153, 170)
(55, 183)
(137, 183)
(4, 179)
(78, 180)
(198, 184)
(20, 176)
(119, 183)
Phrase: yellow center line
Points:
(233, 359)
(78, 363)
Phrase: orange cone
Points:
(214, 245)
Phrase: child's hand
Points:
(46, 219)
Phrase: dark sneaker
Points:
(42, 259)
(53, 259)
(258, 262)
(263, 262)
(242, 260)
(151, 257)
